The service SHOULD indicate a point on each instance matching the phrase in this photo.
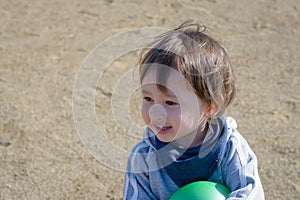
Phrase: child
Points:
(187, 83)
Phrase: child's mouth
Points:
(163, 129)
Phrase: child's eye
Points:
(171, 103)
(148, 99)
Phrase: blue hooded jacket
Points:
(155, 170)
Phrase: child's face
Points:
(173, 115)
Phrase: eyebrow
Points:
(165, 93)
(145, 91)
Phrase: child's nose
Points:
(158, 114)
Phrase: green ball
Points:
(201, 190)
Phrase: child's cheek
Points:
(188, 121)
(145, 114)
(174, 117)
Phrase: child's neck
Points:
(199, 137)
(193, 139)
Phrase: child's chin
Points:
(163, 138)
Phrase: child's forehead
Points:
(162, 75)
(173, 85)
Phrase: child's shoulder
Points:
(237, 145)
(231, 123)
(234, 137)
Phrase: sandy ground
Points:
(42, 46)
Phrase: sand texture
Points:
(44, 43)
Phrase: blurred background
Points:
(43, 44)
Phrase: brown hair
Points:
(202, 60)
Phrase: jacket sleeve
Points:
(240, 170)
(137, 187)
(136, 184)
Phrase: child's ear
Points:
(212, 110)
